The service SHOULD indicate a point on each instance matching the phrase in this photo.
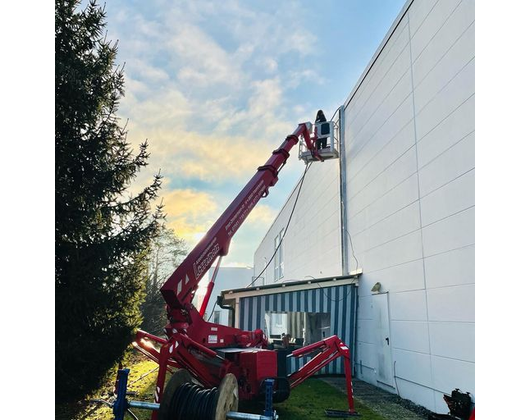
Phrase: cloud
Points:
(270, 29)
(207, 83)
(149, 74)
(151, 111)
(263, 116)
(295, 78)
(239, 141)
(218, 71)
(262, 215)
(268, 63)
(204, 62)
(190, 212)
(216, 159)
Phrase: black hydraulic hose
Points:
(192, 402)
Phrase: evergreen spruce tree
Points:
(102, 233)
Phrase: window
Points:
(303, 327)
(278, 257)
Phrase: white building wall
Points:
(410, 200)
(311, 244)
(409, 173)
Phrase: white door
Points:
(382, 339)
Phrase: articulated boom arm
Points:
(212, 352)
(179, 289)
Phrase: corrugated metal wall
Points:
(339, 302)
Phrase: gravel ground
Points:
(384, 403)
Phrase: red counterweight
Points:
(255, 366)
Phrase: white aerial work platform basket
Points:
(327, 131)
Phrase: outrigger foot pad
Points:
(341, 414)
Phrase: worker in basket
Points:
(321, 142)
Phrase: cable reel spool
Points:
(185, 400)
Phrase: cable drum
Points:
(192, 402)
(185, 400)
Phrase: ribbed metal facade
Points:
(339, 301)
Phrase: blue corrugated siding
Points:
(338, 301)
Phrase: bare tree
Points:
(167, 251)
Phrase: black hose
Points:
(192, 402)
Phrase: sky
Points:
(216, 86)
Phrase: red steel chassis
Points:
(192, 342)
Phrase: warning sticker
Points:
(212, 339)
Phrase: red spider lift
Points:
(215, 365)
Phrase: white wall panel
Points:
(391, 130)
(456, 126)
(419, 394)
(408, 306)
(388, 94)
(399, 278)
(390, 117)
(383, 101)
(452, 163)
(382, 158)
(403, 195)
(313, 237)
(451, 268)
(413, 366)
(411, 336)
(449, 374)
(396, 173)
(432, 24)
(418, 12)
(402, 222)
(404, 249)
(453, 232)
(452, 303)
(460, 88)
(449, 199)
(449, 45)
(381, 71)
(430, 77)
(455, 340)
